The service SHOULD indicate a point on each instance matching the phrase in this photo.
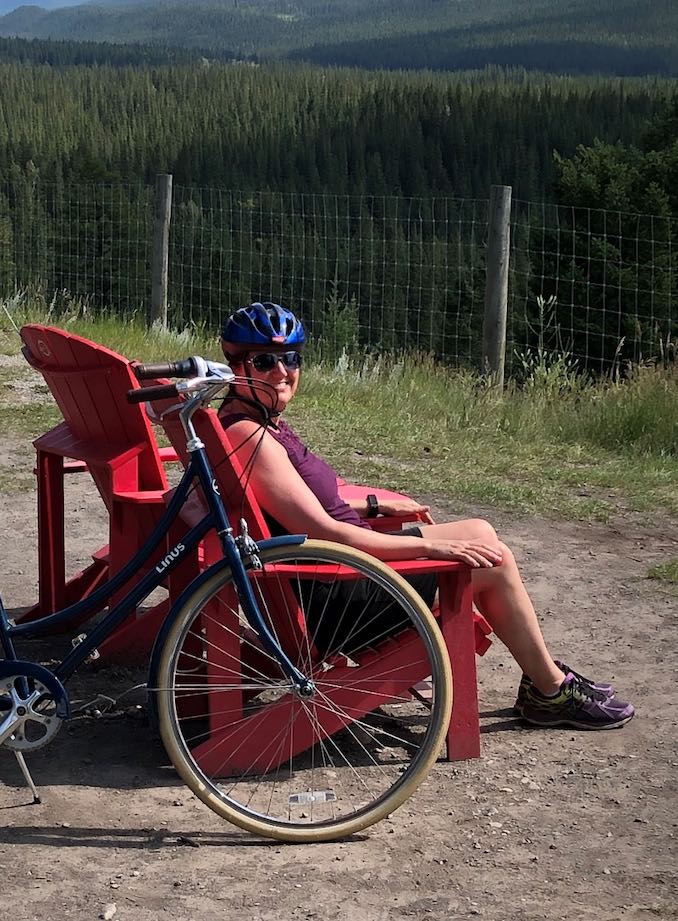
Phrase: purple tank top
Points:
(320, 478)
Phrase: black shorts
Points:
(365, 613)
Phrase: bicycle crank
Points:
(28, 713)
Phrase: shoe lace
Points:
(581, 688)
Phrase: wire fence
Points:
(364, 271)
(609, 279)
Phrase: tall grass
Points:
(414, 400)
(131, 336)
(556, 442)
(578, 448)
(638, 414)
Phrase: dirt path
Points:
(547, 825)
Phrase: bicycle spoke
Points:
(316, 760)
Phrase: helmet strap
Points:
(254, 401)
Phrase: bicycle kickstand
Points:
(27, 776)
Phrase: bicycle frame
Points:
(199, 469)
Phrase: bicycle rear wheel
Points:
(305, 768)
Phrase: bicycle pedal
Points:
(77, 640)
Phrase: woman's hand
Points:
(401, 508)
(473, 552)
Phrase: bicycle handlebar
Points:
(160, 392)
(195, 366)
(186, 368)
(204, 376)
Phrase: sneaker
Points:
(600, 687)
(576, 704)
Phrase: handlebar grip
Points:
(162, 391)
(185, 368)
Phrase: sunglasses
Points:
(267, 361)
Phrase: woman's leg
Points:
(501, 597)
(553, 699)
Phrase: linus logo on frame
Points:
(174, 554)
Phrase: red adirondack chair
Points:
(112, 439)
(456, 615)
(103, 434)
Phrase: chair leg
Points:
(51, 556)
(457, 625)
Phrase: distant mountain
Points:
(625, 37)
(6, 6)
(193, 25)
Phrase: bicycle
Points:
(256, 636)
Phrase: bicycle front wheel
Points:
(318, 766)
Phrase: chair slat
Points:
(113, 440)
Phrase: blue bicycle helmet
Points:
(264, 325)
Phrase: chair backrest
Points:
(236, 493)
(89, 382)
(281, 602)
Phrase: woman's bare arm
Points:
(396, 508)
(285, 496)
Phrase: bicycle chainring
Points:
(31, 706)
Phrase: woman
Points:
(262, 344)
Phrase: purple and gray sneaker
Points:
(576, 704)
(602, 688)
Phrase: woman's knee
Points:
(479, 529)
(498, 578)
(507, 557)
(466, 529)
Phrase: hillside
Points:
(6, 6)
(621, 37)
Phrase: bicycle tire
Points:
(230, 720)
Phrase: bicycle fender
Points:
(18, 668)
(285, 540)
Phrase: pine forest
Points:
(75, 115)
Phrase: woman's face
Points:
(280, 378)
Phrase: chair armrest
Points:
(168, 455)
(147, 497)
(391, 522)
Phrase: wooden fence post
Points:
(161, 230)
(496, 283)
